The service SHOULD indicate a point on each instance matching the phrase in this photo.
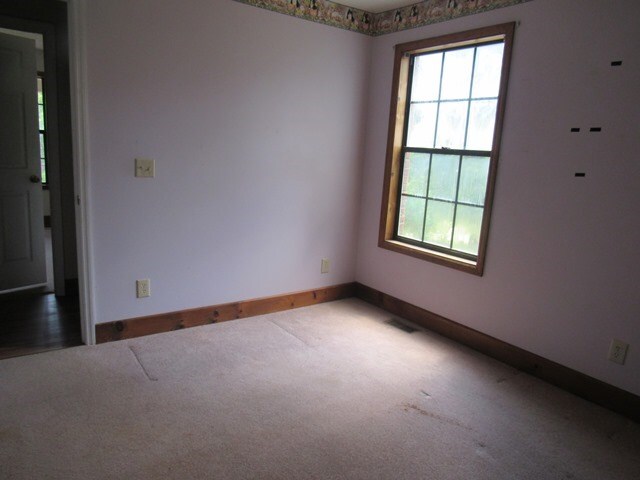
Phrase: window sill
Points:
(433, 256)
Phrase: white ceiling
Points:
(376, 6)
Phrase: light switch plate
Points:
(324, 265)
(145, 167)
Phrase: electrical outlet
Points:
(324, 266)
(145, 167)
(618, 351)
(143, 288)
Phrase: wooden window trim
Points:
(393, 175)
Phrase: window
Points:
(444, 135)
(41, 128)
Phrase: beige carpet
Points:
(325, 392)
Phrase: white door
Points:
(22, 258)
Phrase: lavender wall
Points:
(561, 276)
(255, 121)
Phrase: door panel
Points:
(22, 259)
(16, 242)
(12, 135)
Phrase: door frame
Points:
(81, 170)
(60, 23)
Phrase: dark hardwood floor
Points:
(33, 322)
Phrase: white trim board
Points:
(79, 122)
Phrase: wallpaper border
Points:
(375, 24)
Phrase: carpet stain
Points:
(10, 433)
(137, 357)
(425, 394)
(481, 451)
(451, 421)
(504, 379)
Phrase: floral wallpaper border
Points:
(432, 11)
(320, 11)
(374, 24)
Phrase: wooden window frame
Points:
(393, 175)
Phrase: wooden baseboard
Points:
(573, 381)
(166, 322)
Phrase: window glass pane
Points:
(482, 118)
(452, 122)
(411, 217)
(486, 77)
(426, 77)
(42, 146)
(468, 225)
(456, 76)
(439, 225)
(422, 124)
(40, 116)
(40, 94)
(415, 173)
(473, 180)
(43, 171)
(444, 177)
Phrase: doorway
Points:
(39, 303)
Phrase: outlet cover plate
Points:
(145, 167)
(143, 288)
(618, 351)
(324, 265)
